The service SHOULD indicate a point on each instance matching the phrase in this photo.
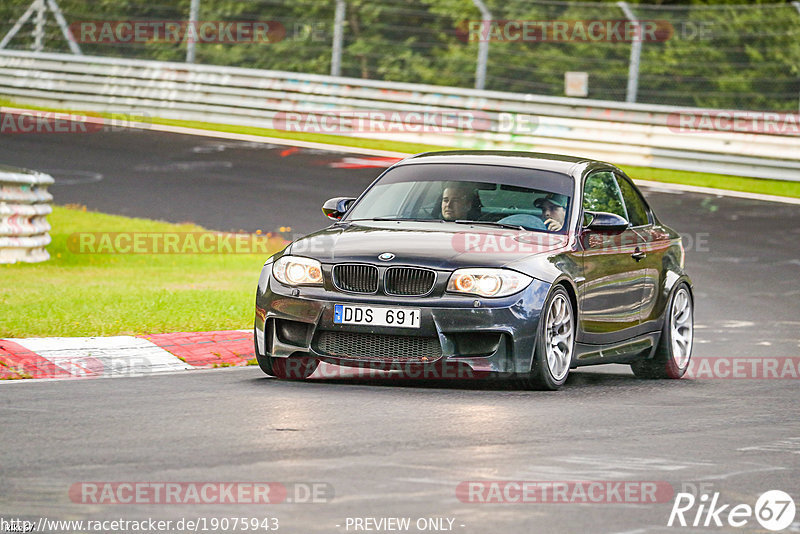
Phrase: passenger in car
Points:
(554, 210)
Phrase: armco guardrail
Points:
(632, 134)
(24, 206)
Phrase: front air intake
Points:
(378, 347)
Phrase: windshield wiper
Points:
(492, 223)
(400, 219)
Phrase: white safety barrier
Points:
(768, 146)
(24, 206)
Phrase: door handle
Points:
(638, 254)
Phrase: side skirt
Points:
(623, 352)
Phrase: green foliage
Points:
(719, 54)
(601, 194)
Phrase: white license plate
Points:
(372, 316)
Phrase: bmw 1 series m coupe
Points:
(509, 263)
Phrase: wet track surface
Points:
(220, 184)
(400, 447)
(391, 448)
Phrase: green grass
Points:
(719, 181)
(88, 294)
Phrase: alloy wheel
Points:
(681, 328)
(558, 336)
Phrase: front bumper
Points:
(494, 335)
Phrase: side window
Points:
(637, 208)
(600, 193)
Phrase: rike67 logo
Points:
(774, 510)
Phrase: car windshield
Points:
(493, 195)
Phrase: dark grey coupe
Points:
(514, 263)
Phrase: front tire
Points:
(294, 367)
(555, 343)
(674, 349)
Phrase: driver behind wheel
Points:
(460, 202)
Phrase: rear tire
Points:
(674, 350)
(555, 344)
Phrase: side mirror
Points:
(602, 221)
(335, 208)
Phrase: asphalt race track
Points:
(220, 184)
(400, 448)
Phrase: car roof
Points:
(530, 160)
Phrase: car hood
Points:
(437, 245)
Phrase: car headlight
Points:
(487, 282)
(297, 271)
